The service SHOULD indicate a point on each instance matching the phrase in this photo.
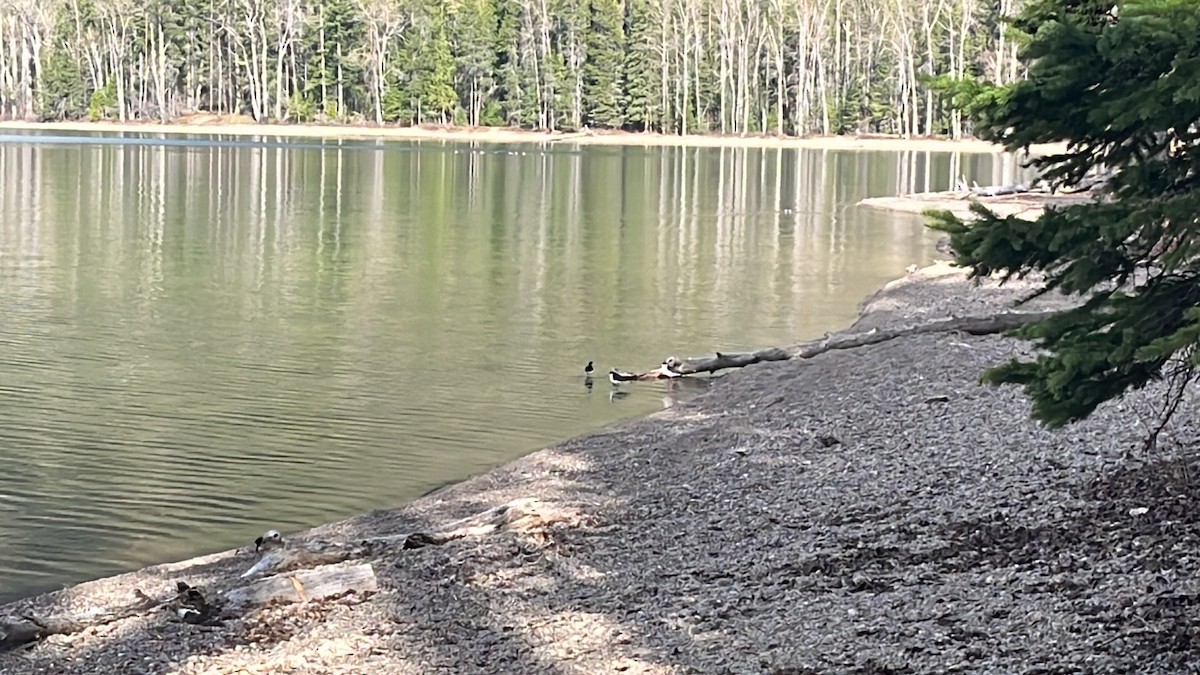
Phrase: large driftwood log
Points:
(985, 325)
(314, 584)
(191, 606)
(711, 364)
(1000, 190)
(520, 515)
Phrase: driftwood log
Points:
(26, 629)
(190, 605)
(1000, 190)
(985, 325)
(520, 515)
(293, 572)
(315, 584)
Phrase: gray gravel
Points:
(827, 516)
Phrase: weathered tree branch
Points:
(984, 325)
(27, 629)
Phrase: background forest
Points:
(791, 67)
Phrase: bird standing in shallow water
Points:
(617, 377)
(588, 369)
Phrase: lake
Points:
(202, 338)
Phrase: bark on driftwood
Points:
(985, 325)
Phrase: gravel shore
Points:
(873, 510)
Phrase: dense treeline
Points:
(676, 66)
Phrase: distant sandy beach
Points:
(214, 125)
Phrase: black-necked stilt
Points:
(271, 539)
(190, 605)
(587, 370)
(617, 377)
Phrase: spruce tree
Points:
(335, 66)
(1119, 82)
(425, 92)
(642, 68)
(437, 94)
(518, 90)
(602, 70)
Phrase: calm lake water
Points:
(204, 338)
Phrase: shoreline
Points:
(755, 528)
(505, 135)
(868, 308)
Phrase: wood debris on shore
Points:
(289, 571)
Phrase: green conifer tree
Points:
(1120, 83)
(518, 93)
(425, 85)
(605, 50)
(335, 77)
(438, 98)
(642, 68)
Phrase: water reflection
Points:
(198, 341)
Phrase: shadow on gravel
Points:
(1098, 579)
(159, 643)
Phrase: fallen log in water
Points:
(711, 364)
(1000, 190)
(982, 325)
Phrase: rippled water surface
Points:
(200, 339)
